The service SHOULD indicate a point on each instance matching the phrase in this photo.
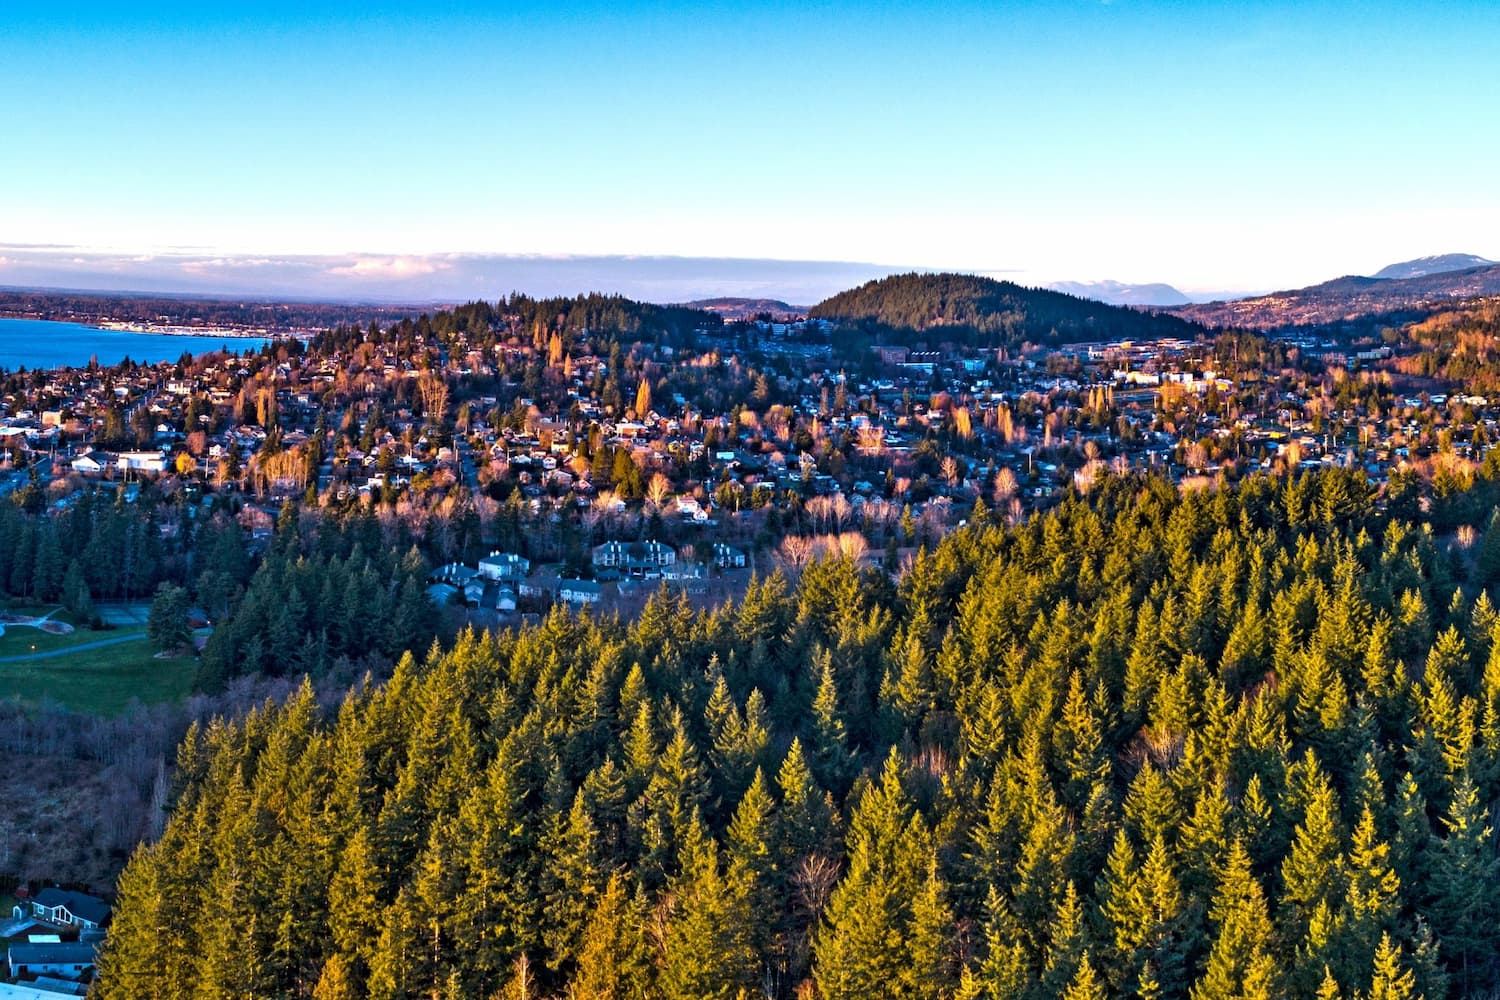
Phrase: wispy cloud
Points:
(389, 267)
(212, 264)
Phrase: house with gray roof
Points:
(69, 909)
(70, 959)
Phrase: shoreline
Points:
(142, 329)
(48, 345)
(115, 326)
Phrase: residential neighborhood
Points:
(54, 935)
(727, 445)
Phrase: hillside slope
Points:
(1345, 299)
(732, 307)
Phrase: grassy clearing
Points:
(19, 639)
(102, 681)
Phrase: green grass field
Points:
(102, 681)
(19, 639)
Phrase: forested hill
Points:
(1233, 744)
(732, 308)
(984, 312)
(485, 324)
(604, 314)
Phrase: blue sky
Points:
(1210, 145)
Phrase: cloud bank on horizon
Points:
(429, 278)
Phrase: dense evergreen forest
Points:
(485, 324)
(983, 312)
(334, 589)
(1241, 743)
(99, 547)
(330, 590)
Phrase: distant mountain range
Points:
(1440, 264)
(1352, 297)
(732, 308)
(1160, 294)
(983, 312)
(1117, 293)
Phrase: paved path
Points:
(50, 653)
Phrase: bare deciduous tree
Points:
(658, 490)
(796, 552)
(814, 881)
(1005, 486)
(433, 389)
(851, 545)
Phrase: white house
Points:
(142, 461)
(71, 959)
(504, 566)
(455, 573)
(642, 560)
(91, 463)
(579, 592)
(728, 557)
(683, 571)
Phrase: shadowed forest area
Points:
(81, 789)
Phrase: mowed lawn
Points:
(102, 681)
